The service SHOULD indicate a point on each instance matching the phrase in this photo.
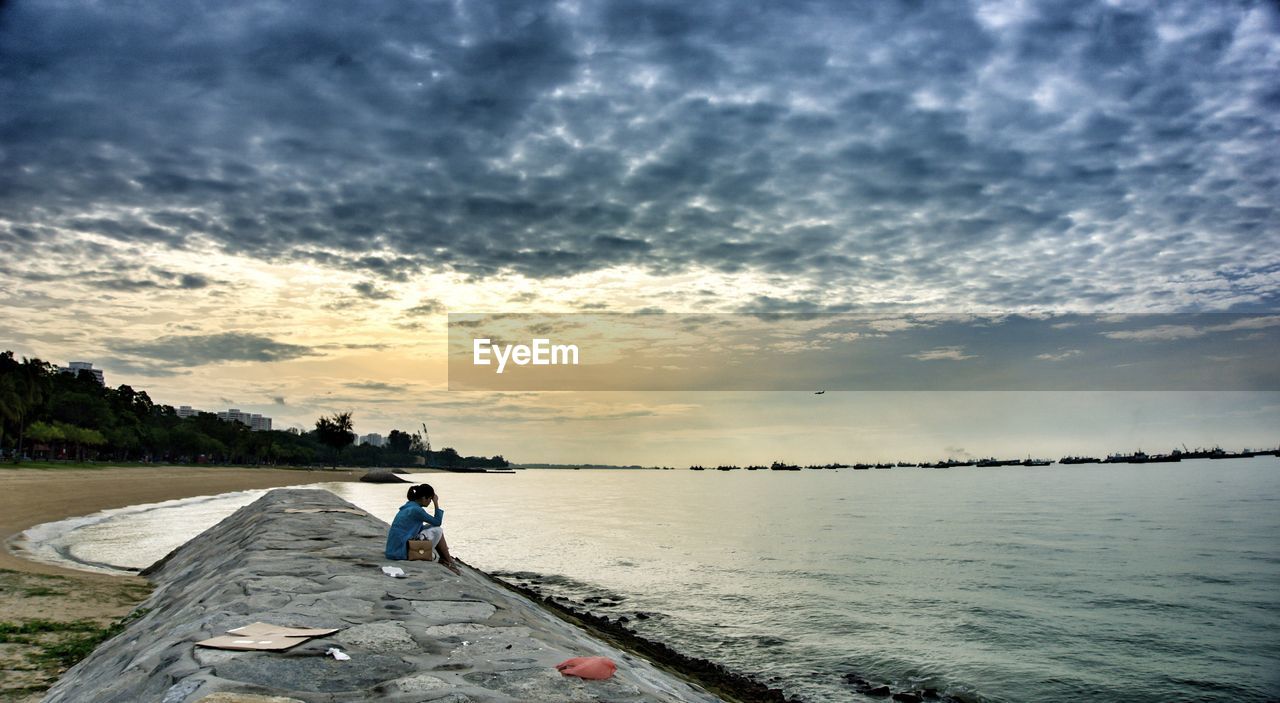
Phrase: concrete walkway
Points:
(298, 558)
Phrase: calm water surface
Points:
(1095, 583)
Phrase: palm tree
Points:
(31, 381)
(334, 431)
(11, 406)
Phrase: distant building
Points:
(76, 367)
(187, 411)
(234, 415)
(253, 421)
(372, 439)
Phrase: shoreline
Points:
(434, 633)
(115, 595)
(725, 683)
(712, 676)
(33, 496)
(66, 607)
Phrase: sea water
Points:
(1156, 582)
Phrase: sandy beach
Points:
(46, 611)
(33, 496)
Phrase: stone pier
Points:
(307, 558)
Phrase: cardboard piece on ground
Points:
(242, 643)
(265, 630)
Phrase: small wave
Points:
(1221, 689)
(1137, 603)
(1205, 578)
(53, 542)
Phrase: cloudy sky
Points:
(274, 205)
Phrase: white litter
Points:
(337, 654)
(394, 572)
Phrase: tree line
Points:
(45, 413)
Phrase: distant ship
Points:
(1198, 453)
(1141, 457)
(1219, 453)
(1138, 457)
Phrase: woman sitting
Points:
(413, 522)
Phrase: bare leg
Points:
(446, 559)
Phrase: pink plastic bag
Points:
(595, 668)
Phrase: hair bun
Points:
(421, 490)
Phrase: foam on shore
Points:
(61, 543)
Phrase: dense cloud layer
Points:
(184, 351)
(1082, 154)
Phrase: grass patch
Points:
(43, 591)
(9, 630)
(63, 644)
(67, 651)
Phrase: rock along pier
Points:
(307, 558)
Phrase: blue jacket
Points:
(406, 526)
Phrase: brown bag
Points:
(420, 550)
